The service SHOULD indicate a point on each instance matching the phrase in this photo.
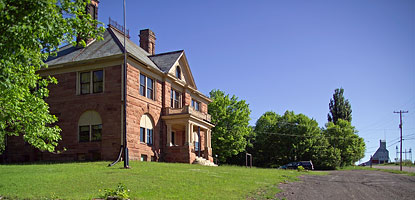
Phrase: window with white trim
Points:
(90, 127)
(175, 99)
(146, 130)
(146, 86)
(91, 82)
(178, 72)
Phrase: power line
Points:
(393, 144)
(306, 136)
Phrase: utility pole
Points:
(126, 158)
(400, 126)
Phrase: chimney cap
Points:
(147, 32)
(148, 40)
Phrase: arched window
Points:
(146, 129)
(90, 127)
(178, 73)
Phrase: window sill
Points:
(90, 94)
(146, 144)
(87, 142)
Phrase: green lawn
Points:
(146, 180)
(377, 169)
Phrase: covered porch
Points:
(188, 137)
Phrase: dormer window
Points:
(178, 73)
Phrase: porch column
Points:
(192, 134)
(206, 138)
(209, 133)
(168, 135)
(189, 132)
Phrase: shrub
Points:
(300, 168)
(120, 193)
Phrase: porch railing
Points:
(188, 110)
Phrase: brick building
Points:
(166, 116)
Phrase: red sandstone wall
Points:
(137, 106)
(68, 107)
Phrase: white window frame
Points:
(173, 94)
(179, 74)
(90, 133)
(91, 82)
(195, 102)
(89, 119)
(146, 129)
(146, 86)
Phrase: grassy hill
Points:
(146, 180)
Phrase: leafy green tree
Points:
(283, 139)
(31, 31)
(240, 158)
(343, 138)
(339, 107)
(271, 148)
(2, 144)
(231, 119)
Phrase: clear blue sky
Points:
(291, 55)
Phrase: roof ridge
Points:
(116, 40)
(165, 53)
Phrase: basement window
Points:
(143, 157)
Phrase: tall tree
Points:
(343, 137)
(231, 119)
(339, 107)
(31, 31)
(291, 137)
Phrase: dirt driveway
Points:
(351, 184)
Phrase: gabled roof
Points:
(165, 61)
(112, 44)
(133, 49)
(97, 49)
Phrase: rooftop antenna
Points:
(126, 159)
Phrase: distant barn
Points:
(381, 155)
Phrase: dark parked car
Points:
(306, 164)
(294, 165)
(291, 165)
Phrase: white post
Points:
(187, 134)
(206, 139)
(192, 134)
(209, 138)
(168, 135)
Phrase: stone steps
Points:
(202, 161)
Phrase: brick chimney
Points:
(91, 9)
(148, 41)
